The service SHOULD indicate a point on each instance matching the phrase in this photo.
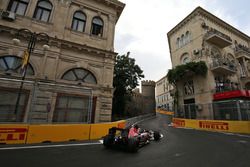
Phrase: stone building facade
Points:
(201, 36)
(164, 99)
(72, 80)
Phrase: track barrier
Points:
(40, 133)
(13, 133)
(214, 125)
(164, 112)
(57, 133)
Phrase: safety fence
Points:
(41, 133)
(218, 110)
(214, 125)
(45, 102)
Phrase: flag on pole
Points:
(24, 61)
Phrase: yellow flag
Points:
(25, 58)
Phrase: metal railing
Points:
(223, 63)
(42, 102)
(213, 31)
(224, 110)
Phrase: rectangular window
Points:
(80, 26)
(72, 109)
(74, 25)
(21, 9)
(13, 7)
(38, 14)
(8, 100)
(45, 16)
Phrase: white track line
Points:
(49, 146)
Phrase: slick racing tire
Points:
(108, 141)
(157, 136)
(132, 145)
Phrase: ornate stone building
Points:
(163, 91)
(224, 92)
(72, 80)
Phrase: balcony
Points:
(223, 66)
(232, 94)
(242, 51)
(219, 39)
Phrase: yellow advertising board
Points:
(214, 125)
(58, 133)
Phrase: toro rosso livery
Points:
(129, 139)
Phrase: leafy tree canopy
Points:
(126, 73)
(126, 77)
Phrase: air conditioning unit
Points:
(196, 51)
(10, 16)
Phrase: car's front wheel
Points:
(157, 136)
(133, 145)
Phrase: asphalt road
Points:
(178, 148)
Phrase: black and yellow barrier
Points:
(28, 134)
(57, 133)
(214, 125)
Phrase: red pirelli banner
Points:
(13, 134)
(178, 122)
(213, 125)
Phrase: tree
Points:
(181, 71)
(126, 77)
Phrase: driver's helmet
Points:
(136, 126)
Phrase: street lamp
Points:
(32, 37)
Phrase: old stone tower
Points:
(148, 93)
(144, 102)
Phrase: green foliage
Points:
(180, 71)
(126, 77)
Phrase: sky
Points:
(143, 26)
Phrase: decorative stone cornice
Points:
(60, 43)
(119, 6)
(202, 12)
(84, 48)
(115, 4)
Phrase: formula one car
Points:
(118, 138)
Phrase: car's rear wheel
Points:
(108, 141)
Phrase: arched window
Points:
(43, 10)
(18, 6)
(185, 58)
(12, 64)
(182, 40)
(187, 36)
(97, 26)
(178, 42)
(79, 21)
(79, 74)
